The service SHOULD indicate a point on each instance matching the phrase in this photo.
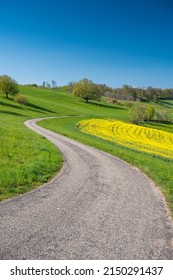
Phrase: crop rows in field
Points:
(140, 138)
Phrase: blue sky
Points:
(114, 42)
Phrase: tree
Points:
(163, 116)
(104, 88)
(150, 93)
(87, 90)
(139, 114)
(47, 85)
(8, 85)
(53, 83)
(71, 85)
(149, 113)
(134, 93)
(21, 99)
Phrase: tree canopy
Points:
(8, 85)
(21, 99)
(87, 90)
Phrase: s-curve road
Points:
(97, 207)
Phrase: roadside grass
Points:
(27, 159)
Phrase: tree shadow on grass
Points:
(106, 106)
(8, 105)
(36, 107)
(29, 106)
(165, 103)
(162, 123)
(11, 113)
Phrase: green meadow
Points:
(27, 160)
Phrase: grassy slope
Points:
(44, 102)
(27, 159)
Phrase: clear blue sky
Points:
(108, 41)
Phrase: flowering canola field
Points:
(140, 138)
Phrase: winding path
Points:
(97, 207)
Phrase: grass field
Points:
(22, 164)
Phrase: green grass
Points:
(161, 126)
(167, 103)
(27, 159)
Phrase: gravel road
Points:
(97, 207)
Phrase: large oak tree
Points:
(87, 90)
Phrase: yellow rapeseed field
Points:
(140, 138)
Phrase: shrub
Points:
(163, 116)
(129, 104)
(140, 114)
(21, 99)
(136, 115)
(114, 101)
(149, 113)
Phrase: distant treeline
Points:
(139, 94)
(126, 92)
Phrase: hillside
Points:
(28, 160)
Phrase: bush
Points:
(149, 113)
(111, 100)
(21, 99)
(140, 114)
(163, 116)
(136, 115)
(129, 104)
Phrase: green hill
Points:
(27, 159)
